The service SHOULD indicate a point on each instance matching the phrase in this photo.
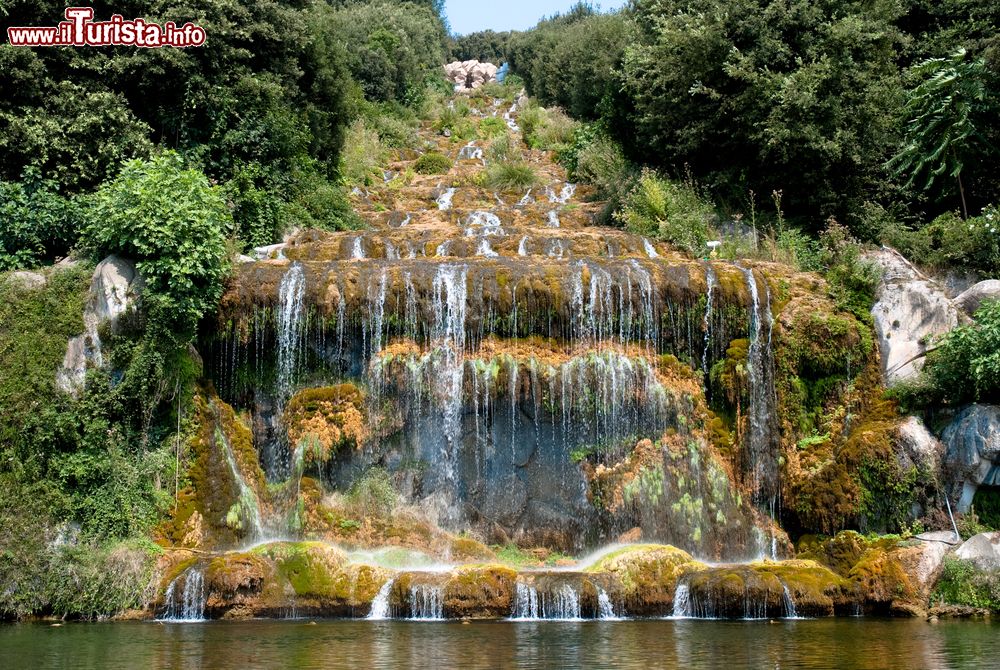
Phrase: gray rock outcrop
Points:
(911, 310)
(982, 549)
(972, 450)
(971, 299)
(470, 74)
(114, 288)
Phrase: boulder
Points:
(470, 74)
(910, 311)
(971, 299)
(114, 288)
(982, 549)
(972, 450)
(27, 280)
(918, 447)
(933, 547)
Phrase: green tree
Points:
(942, 133)
(173, 223)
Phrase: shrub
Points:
(363, 155)
(548, 129)
(512, 176)
(596, 159)
(36, 223)
(373, 494)
(257, 210)
(173, 223)
(491, 127)
(950, 241)
(667, 210)
(432, 162)
(962, 583)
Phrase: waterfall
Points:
(789, 603)
(426, 602)
(605, 610)
(682, 601)
(525, 603)
(553, 218)
(564, 605)
(564, 195)
(762, 463)
(470, 152)
(487, 222)
(381, 608)
(246, 509)
(650, 249)
(526, 200)
(190, 604)
(444, 200)
(522, 248)
(357, 251)
(290, 294)
(711, 281)
(484, 249)
(450, 286)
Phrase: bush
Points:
(432, 162)
(257, 210)
(491, 127)
(512, 176)
(363, 156)
(962, 583)
(173, 223)
(548, 129)
(950, 241)
(36, 223)
(966, 365)
(373, 494)
(596, 159)
(667, 210)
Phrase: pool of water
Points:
(821, 643)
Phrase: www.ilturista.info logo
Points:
(79, 29)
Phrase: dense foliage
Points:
(845, 107)
(175, 159)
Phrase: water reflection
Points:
(823, 643)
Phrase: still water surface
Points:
(821, 643)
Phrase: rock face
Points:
(27, 279)
(971, 299)
(113, 290)
(910, 311)
(982, 549)
(972, 450)
(470, 74)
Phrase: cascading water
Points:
(291, 293)
(426, 602)
(450, 286)
(381, 607)
(605, 608)
(761, 462)
(525, 603)
(189, 604)
(649, 248)
(245, 514)
(553, 218)
(444, 200)
(710, 281)
(789, 603)
(682, 601)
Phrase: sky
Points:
(468, 16)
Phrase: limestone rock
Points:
(911, 310)
(114, 288)
(972, 450)
(934, 545)
(971, 299)
(918, 447)
(28, 280)
(470, 74)
(982, 549)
